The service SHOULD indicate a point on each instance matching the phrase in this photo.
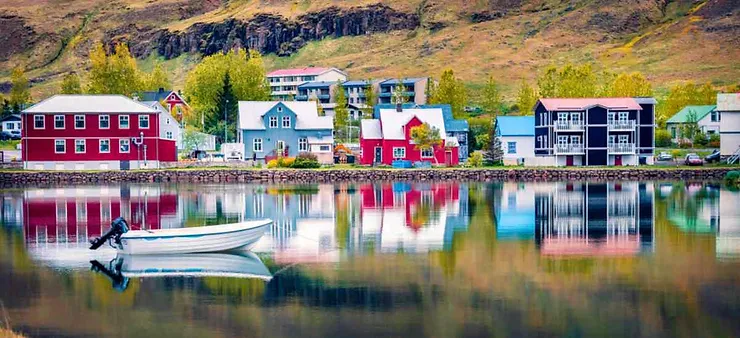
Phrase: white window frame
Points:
(42, 119)
(64, 145)
(143, 118)
(303, 144)
(127, 142)
(623, 116)
(168, 135)
(402, 154)
(427, 156)
(575, 139)
(575, 117)
(623, 139)
(128, 121)
(255, 143)
(273, 122)
(100, 121)
(286, 119)
(509, 147)
(84, 146)
(63, 122)
(82, 119)
(563, 116)
(612, 139)
(100, 146)
(563, 139)
(324, 150)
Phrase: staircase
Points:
(735, 157)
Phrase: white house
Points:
(728, 106)
(706, 117)
(12, 124)
(170, 129)
(516, 134)
(284, 82)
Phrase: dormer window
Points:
(286, 121)
(273, 122)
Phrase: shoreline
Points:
(230, 175)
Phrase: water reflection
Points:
(383, 259)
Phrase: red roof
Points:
(626, 103)
(298, 71)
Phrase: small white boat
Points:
(213, 238)
(232, 265)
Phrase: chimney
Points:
(399, 107)
(161, 90)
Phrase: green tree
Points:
(576, 81)
(426, 137)
(371, 97)
(319, 108)
(430, 88)
(690, 128)
(113, 74)
(399, 93)
(71, 84)
(526, 98)
(630, 85)
(491, 103)
(341, 113)
(452, 91)
(223, 122)
(158, 78)
(19, 90)
(204, 84)
(662, 138)
(494, 154)
(548, 83)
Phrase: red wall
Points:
(412, 154)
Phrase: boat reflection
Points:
(225, 265)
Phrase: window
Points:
(104, 121)
(168, 135)
(257, 145)
(673, 132)
(143, 121)
(575, 139)
(38, 122)
(562, 116)
(123, 121)
(79, 146)
(324, 148)
(302, 144)
(715, 116)
(124, 145)
(623, 139)
(58, 121)
(427, 153)
(9, 126)
(273, 122)
(280, 109)
(623, 116)
(562, 139)
(79, 121)
(60, 147)
(104, 146)
(286, 121)
(576, 118)
(399, 152)
(511, 147)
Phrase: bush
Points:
(713, 141)
(700, 140)
(286, 162)
(272, 164)
(684, 145)
(475, 160)
(663, 138)
(733, 178)
(310, 156)
(676, 154)
(306, 163)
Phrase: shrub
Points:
(305, 163)
(310, 156)
(700, 140)
(713, 141)
(663, 138)
(676, 154)
(684, 145)
(732, 178)
(475, 160)
(272, 164)
(286, 162)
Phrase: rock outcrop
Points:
(267, 33)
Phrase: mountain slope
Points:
(510, 39)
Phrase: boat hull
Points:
(193, 240)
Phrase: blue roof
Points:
(515, 125)
(355, 83)
(406, 81)
(158, 95)
(451, 124)
(317, 84)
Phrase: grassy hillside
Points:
(667, 40)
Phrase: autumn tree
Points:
(113, 74)
(452, 91)
(71, 84)
(206, 91)
(630, 85)
(319, 108)
(547, 84)
(399, 93)
(341, 113)
(682, 95)
(491, 97)
(526, 98)
(19, 90)
(426, 137)
(155, 80)
(371, 99)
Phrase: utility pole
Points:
(226, 124)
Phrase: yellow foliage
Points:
(286, 162)
(272, 164)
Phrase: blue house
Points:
(272, 128)
(321, 91)
(457, 128)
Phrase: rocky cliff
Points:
(268, 33)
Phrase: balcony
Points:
(565, 125)
(617, 125)
(301, 97)
(569, 149)
(621, 148)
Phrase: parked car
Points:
(15, 134)
(4, 136)
(693, 159)
(197, 155)
(665, 156)
(713, 157)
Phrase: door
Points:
(281, 148)
(569, 161)
(125, 165)
(618, 160)
(378, 155)
(448, 158)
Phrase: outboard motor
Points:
(117, 228)
(113, 272)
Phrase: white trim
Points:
(399, 157)
(254, 145)
(421, 153)
(84, 145)
(128, 143)
(305, 143)
(64, 123)
(148, 122)
(43, 122)
(99, 137)
(128, 121)
(100, 143)
(83, 122)
(273, 118)
(65, 146)
(100, 120)
(286, 119)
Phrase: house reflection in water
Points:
(65, 215)
(600, 219)
(728, 234)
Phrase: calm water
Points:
(394, 259)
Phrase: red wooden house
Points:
(84, 132)
(172, 101)
(388, 138)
